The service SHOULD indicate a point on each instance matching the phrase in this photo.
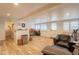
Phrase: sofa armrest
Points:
(54, 40)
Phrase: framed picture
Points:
(23, 24)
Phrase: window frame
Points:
(55, 27)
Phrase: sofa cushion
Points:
(63, 37)
(62, 44)
(62, 40)
(56, 50)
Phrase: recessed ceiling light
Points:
(16, 4)
(8, 14)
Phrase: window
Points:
(33, 26)
(74, 25)
(66, 26)
(37, 27)
(43, 27)
(54, 26)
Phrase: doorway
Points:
(9, 30)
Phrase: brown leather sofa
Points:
(62, 46)
(34, 32)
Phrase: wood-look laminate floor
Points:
(34, 47)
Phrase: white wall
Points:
(2, 29)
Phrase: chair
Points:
(62, 46)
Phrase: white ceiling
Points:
(24, 9)
(18, 11)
